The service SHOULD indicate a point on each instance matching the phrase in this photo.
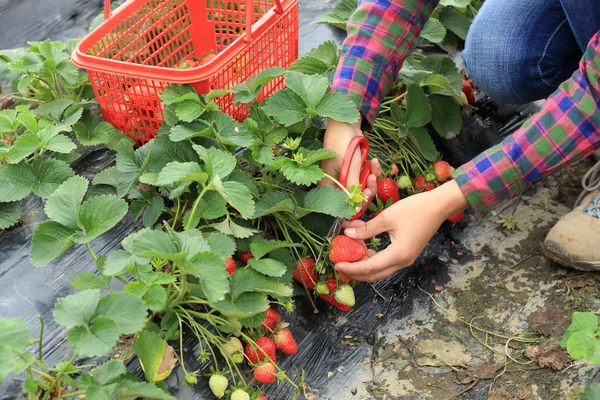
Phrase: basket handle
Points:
(250, 16)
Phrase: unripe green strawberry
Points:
(404, 182)
(234, 323)
(234, 350)
(344, 294)
(321, 288)
(240, 395)
(191, 379)
(430, 177)
(218, 384)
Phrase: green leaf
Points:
(190, 242)
(60, 144)
(92, 130)
(260, 248)
(212, 206)
(98, 215)
(125, 309)
(221, 244)
(173, 93)
(228, 227)
(150, 349)
(244, 178)
(50, 174)
(455, 3)
(148, 243)
(339, 15)
(338, 107)
(286, 107)
(108, 372)
(131, 390)
(50, 240)
(117, 262)
(230, 132)
(309, 66)
(580, 321)
(418, 110)
(582, 345)
(446, 116)
(14, 334)
(54, 109)
(210, 269)
(10, 213)
(238, 196)
(274, 202)
(154, 211)
(310, 88)
(247, 280)
(63, 205)
(108, 176)
(245, 305)
(248, 91)
(455, 21)
(590, 393)
(189, 110)
(16, 181)
(301, 175)
(88, 280)
(439, 84)
(97, 341)
(218, 162)
(198, 128)
(175, 172)
(28, 121)
(434, 31)
(313, 156)
(328, 200)
(153, 296)
(267, 266)
(444, 65)
(22, 148)
(77, 309)
(424, 143)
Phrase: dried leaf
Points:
(547, 356)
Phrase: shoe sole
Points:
(555, 252)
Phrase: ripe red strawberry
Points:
(230, 266)
(457, 218)
(265, 373)
(284, 341)
(6, 141)
(272, 318)
(468, 90)
(421, 185)
(387, 189)
(305, 269)
(345, 249)
(394, 170)
(261, 398)
(255, 355)
(443, 171)
(332, 285)
(245, 256)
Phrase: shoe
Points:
(575, 239)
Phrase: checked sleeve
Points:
(566, 130)
(380, 34)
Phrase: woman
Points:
(517, 51)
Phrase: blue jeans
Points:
(519, 51)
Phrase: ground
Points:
(498, 280)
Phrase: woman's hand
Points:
(337, 138)
(411, 223)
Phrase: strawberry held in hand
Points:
(230, 266)
(443, 171)
(284, 341)
(345, 249)
(265, 373)
(387, 189)
(305, 271)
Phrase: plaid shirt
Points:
(567, 129)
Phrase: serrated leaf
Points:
(97, 341)
(153, 212)
(328, 200)
(228, 227)
(198, 128)
(274, 202)
(131, 390)
(439, 84)
(246, 305)
(222, 245)
(340, 14)
(286, 107)
(212, 206)
(88, 280)
(148, 243)
(444, 65)
(64, 204)
(108, 176)
(247, 280)
(16, 181)
(108, 372)
(50, 174)
(446, 116)
(267, 266)
(92, 130)
(424, 143)
(248, 91)
(418, 110)
(302, 175)
(310, 88)
(151, 350)
(28, 121)
(230, 132)
(218, 162)
(14, 334)
(173, 93)
(309, 66)
(434, 31)
(50, 240)
(245, 179)
(455, 21)
(314, 156)
(262, 155)
(238, 196)
(338, 107)
(210, 269)
(60, 144)
(117, 262)
(10, 213)
(22, 148)
(125, 309)
(98, 215)
(54, 109)
(175, 172)
(261, 248)
(77, 309)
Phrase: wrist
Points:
(449, 199)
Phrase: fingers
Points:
(354, 171)
(379, 266)
(366, 230)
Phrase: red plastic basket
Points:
(134, 53)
